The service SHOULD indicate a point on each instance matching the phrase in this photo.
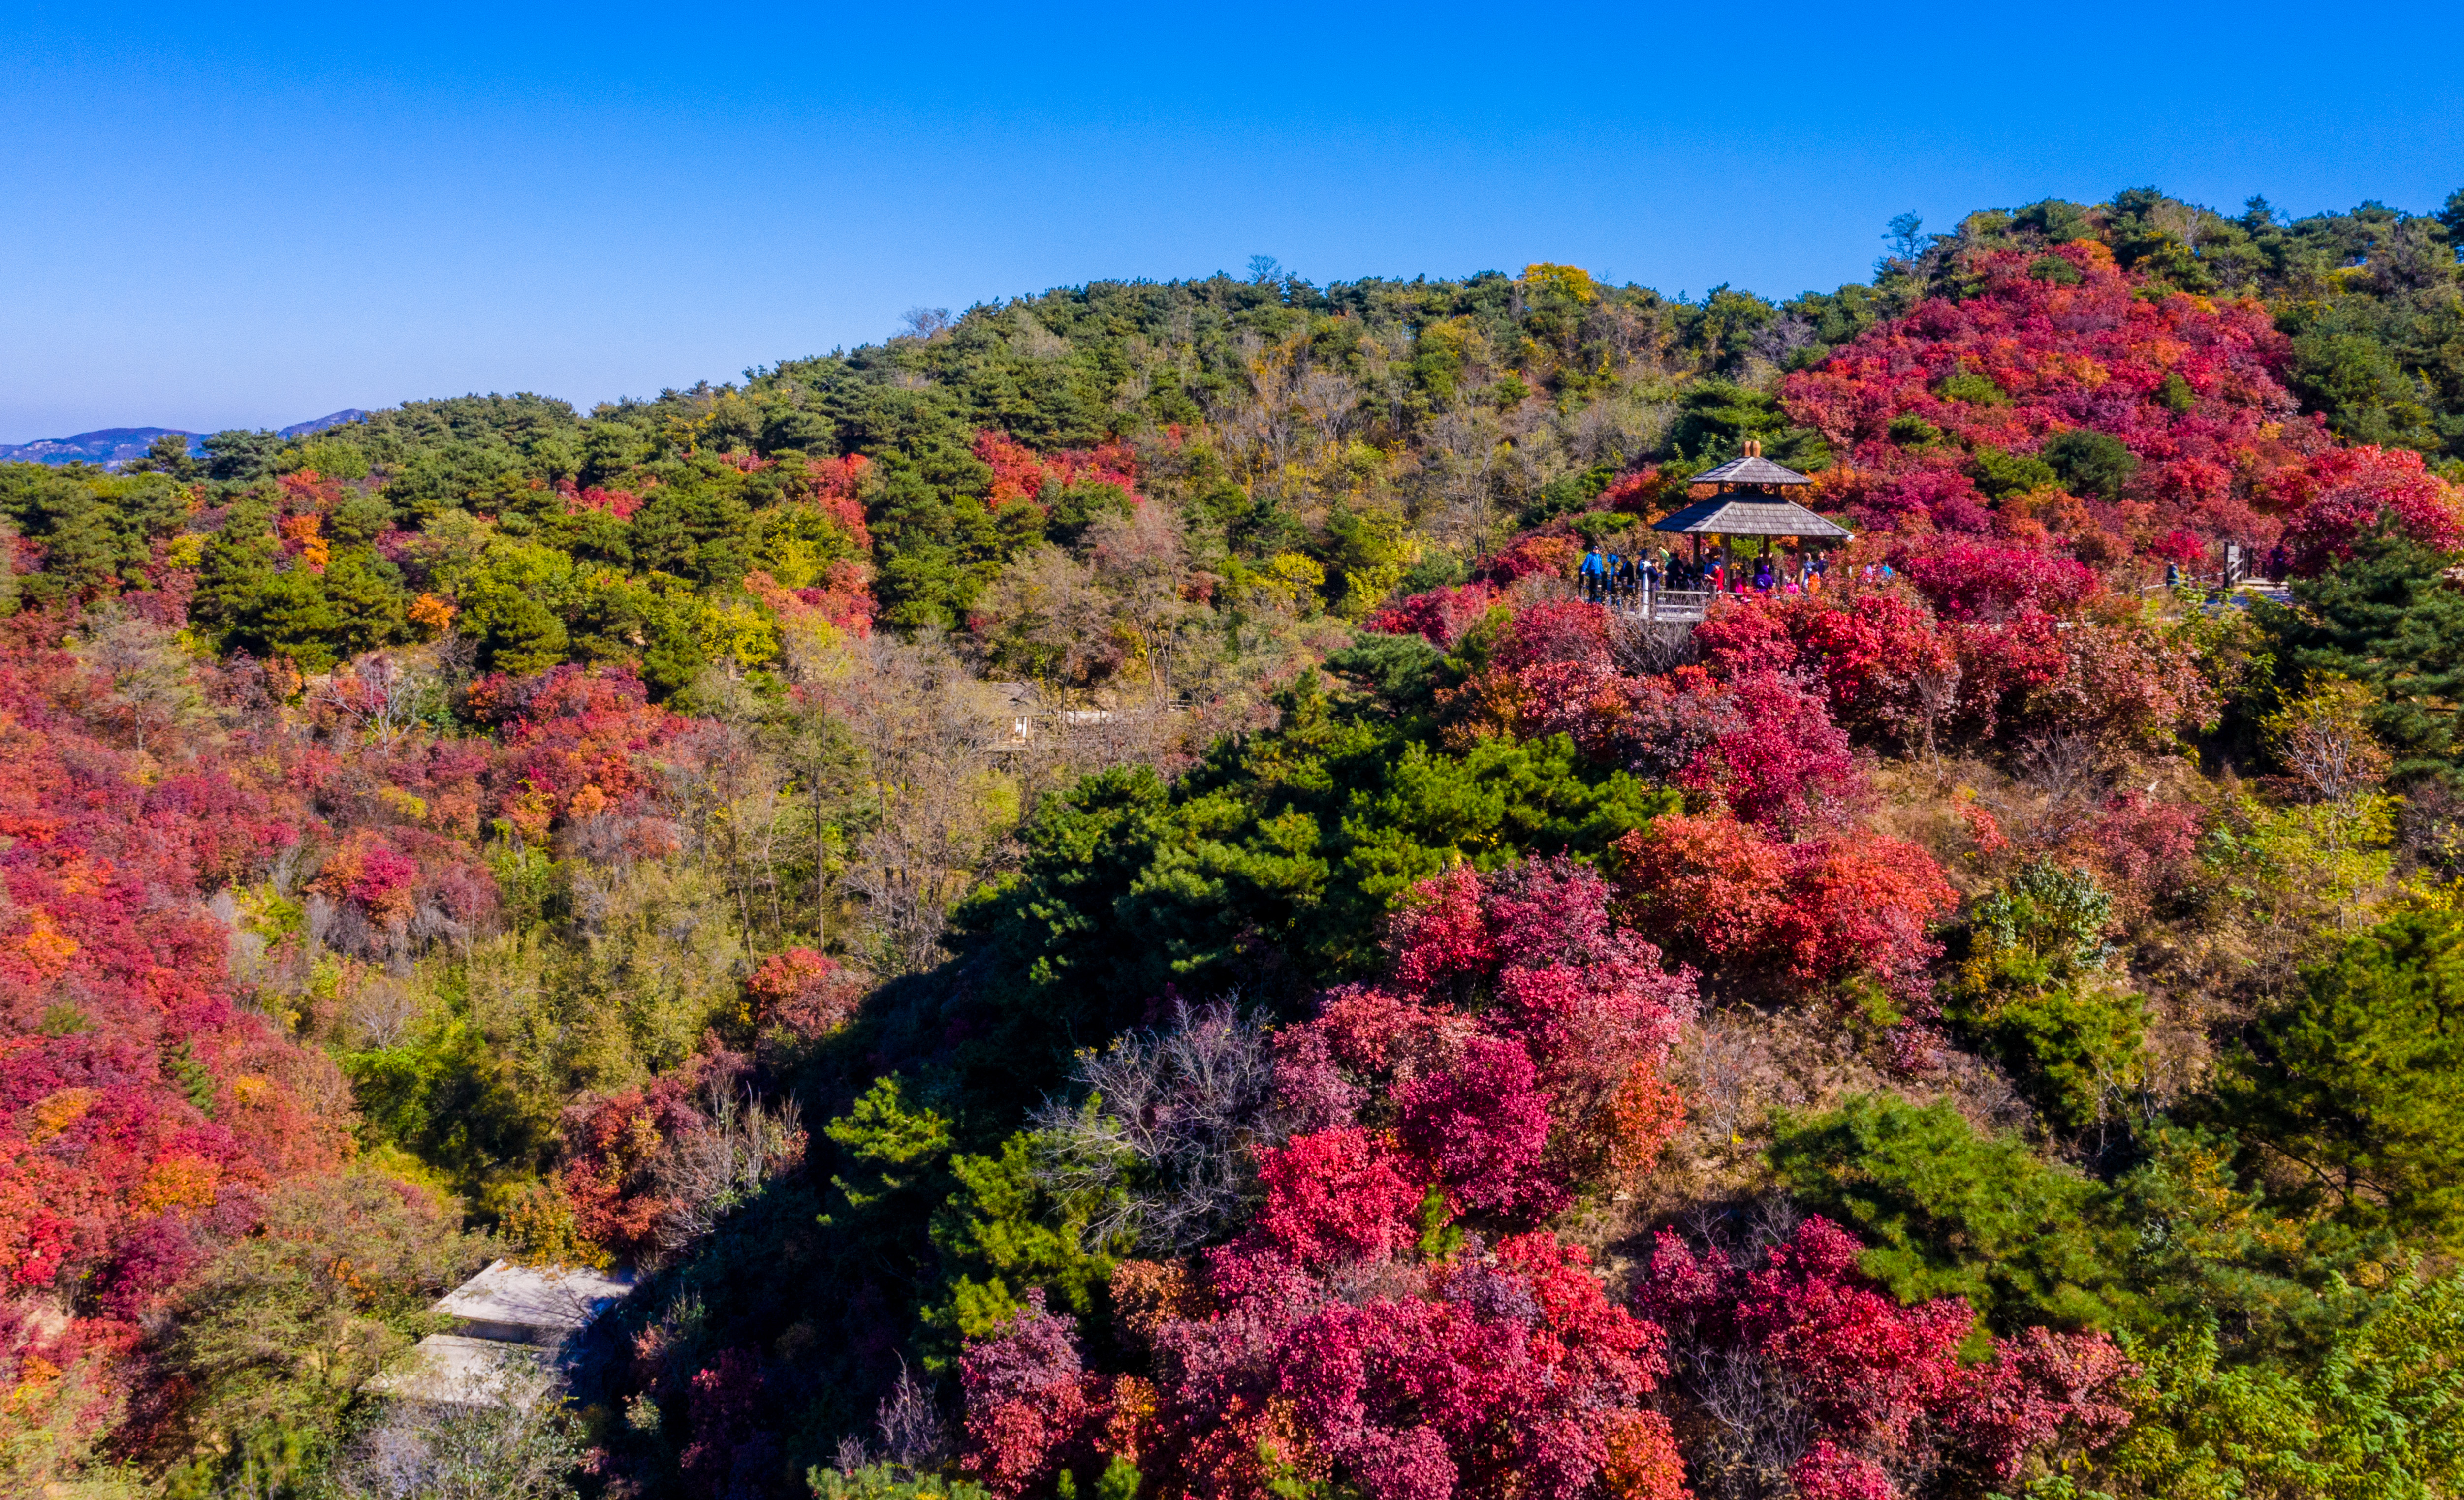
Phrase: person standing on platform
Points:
(1594, 569)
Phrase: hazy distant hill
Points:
(321, 424)
(107, 444)
(113, 445)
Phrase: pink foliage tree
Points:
(1965, 579)
(1483, 1127)
(1532, 951)
(1028, 1407)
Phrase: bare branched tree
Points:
(2323, 737)
(1747, 1420)
(727, 796)
(1628, 333)
(1616, 429)
(1467, 448)
(913, 1434)
(377, 695)
(719, 1163)
(1163, 1137)
(1141, 561)
(1330, 400)
(1048, 621)
(1651, 648)
(1754, 1426)
(1937, 695)
(2062, 764)
(151, 691)
(915, 1440)
(929, 735)
(380, 1012)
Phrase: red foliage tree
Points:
(1020, 473)
(1541, 554)
(1483, 1127)
(1441, 615)
(142, 1115)
(1515, 1047)
(1557, 631)
(2342, 492)
(1338, 1194)
(2147, 850)
(1773, 755)
(2125, 685)
(1970, 579)
(1812, 914)
(1646, 492)
(612, 1141)
(1890, 1399)
(835, 485)
(2186, 387)
(1029, 1406)
(1533, 953)
(802, 994)
(1885, 668)
(732, 1453)
(581, 743)
(610, 1144)
(1489, 1373)
(618, 503)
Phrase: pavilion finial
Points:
(1753, 448)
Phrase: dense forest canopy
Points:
(1084, 899)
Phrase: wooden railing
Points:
(1673, 604)
(1659, 604)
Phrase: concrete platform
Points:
(532, 1304)
(450, 1370)
(511, 1324)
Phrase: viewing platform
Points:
(1654, 605)
(514, 1328)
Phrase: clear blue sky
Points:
(217, 217)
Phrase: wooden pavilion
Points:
(1746, 501)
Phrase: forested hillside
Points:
(1081, 895)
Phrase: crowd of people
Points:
(1614, 577)
(1609, 576)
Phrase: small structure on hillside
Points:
(450, 1370)
(1747, 499)
(513, 1329)
(543, 1305)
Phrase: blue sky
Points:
(249, 217)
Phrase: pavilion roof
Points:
(1750, 516)
(1753, 469)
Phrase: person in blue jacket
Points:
(1595, 573)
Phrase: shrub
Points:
(1953, 1213)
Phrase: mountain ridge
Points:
(109, 446)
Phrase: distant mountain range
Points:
(117, 445)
